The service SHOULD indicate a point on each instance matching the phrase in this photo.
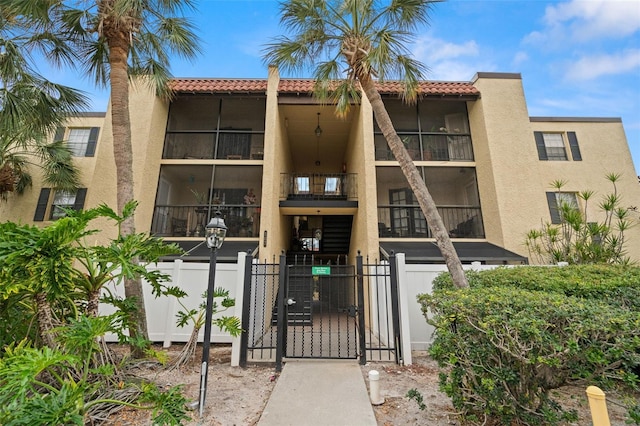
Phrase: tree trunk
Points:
(417, 184)
(93, 302)
(123, 153)
(45, 320)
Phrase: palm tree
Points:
(367, 40)
(117, 40)
(31, 107)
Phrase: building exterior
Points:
(288, 175)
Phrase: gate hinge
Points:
(352, 310)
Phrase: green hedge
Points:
(617, 285)
(518, 333)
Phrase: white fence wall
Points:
(193, 279)
(414, 280)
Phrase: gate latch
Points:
(291, 301)
(352, 310)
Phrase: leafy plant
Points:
(518, 333)
(417, 396)
(577, 239)
(196, 317)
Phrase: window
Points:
(81, 141)
(559, 202)
(55, 201)
(302, 185)
(551, 146)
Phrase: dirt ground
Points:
(237, 396)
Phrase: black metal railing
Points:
(407, 221)
(209, 145)
(318, 186)
(190, 221)
(433, 147)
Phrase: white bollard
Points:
(374, 388)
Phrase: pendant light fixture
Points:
(318, 130)
(318, 133)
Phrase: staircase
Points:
(336, 234)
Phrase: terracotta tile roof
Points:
(432, 88)
(226, 85)
(390, 87)
(218, 85)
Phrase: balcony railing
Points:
(407, 221)
(207, 145)
(434, 147)
(190, 221)
(318, 186)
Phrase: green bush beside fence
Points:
(518, 333)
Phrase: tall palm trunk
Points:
(417, 184)
(46, 322)
(123, 153)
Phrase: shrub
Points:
(505, 348)
(616, 285)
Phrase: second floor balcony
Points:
(407, 221)
(318, 186)
(190, 221)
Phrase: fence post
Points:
(403, 300)
(361, 324)
(170, 320)
(246, 310)
(282, 313)
(395, 311)
(598, 406)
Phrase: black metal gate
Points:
(300, 308)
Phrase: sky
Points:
(577, 58)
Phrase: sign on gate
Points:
(321, 270)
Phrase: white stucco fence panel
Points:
(162, 312)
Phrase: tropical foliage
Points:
(518, 333)
(31, 107)
(114, 41)
(579, 238)
(349, 45)
(54, 365)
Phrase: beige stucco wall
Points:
(512, 181)
(277, 160)
(604, 150)
(21, 208)
(148, 123)
(361, 160)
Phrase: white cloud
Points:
(592, 67)
(588, 20)
(447, 60)
(583, 21)
(520, 58)
(434, 49)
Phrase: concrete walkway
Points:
(316, 393)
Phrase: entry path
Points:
(318, 393)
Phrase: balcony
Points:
(407, 221)
(212, 145)
(432, 147)
(190, 221)
(318, 186)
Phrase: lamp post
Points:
(215, 232)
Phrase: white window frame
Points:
(78, 140)
(62, 199)
(555, 147)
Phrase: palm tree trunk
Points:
(45, 320)
(417, 184)
(123, 153)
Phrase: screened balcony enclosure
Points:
(210, 127)
(430, 131)
(188, 196)
(454, 190)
